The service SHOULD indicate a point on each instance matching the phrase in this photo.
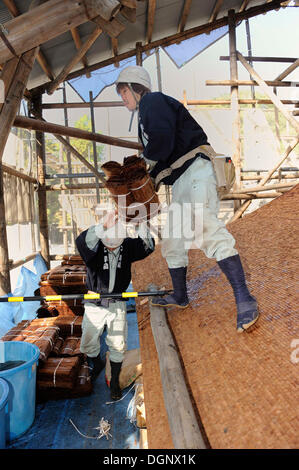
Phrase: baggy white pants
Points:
(94, 320)
(195, 207)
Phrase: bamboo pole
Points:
(182, 420)
(245, 206)
(236, 82)
(18, 174)
(43, 126)
(260, 187)
(42, 196)
(276, 101)
(236, 132)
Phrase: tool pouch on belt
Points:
(223, 167)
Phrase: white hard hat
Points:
(135, 74)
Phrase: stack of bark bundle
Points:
(132, 189)
(68, 278)
(62, 370)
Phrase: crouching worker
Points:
(108, 258)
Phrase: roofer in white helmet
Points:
(178, 153)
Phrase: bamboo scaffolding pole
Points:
(183, 423)
(16, 264)
(287, 71)
(251, 196)
(167, 41)
(269, 93)
(236, 82)
(235, 108)
(103, 104)
(18, 174)
(263, 59)
(269, 187)
(280, 177)
(43, 126)
(42, 196)
(112, 104)
(246, 204)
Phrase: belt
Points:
(201, 151)
(202, 155)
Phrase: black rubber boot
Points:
(247, 308)
(97, 366)
(115, 390)
(179, 298)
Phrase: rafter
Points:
(77, 57)
(215, 11)
(184, 16)
(114, 45)
(78, 44)
(244, 5)
(150, 19)
(11, 6)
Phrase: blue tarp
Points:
(180, 54)
(28, 281)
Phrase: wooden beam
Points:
(184, 15)
(167, 41)
(183, 424)
(77, 57)
(15, 74)
(128, 13)
(151, 9)
(275, 100)
(112, 28)
(50, 20)
(215, 11)
(10, 4)
(286, 72)
(12, 171)
(43, 126)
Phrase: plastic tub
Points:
(22, 385)
(4, 390)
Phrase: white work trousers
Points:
(94, 320)
(192, 219)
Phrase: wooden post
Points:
(234, 102)
(15, 75)
(184, 427)
(42, 195)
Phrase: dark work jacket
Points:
(132, 249)
(167, 131)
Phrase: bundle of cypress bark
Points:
(132, 189)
